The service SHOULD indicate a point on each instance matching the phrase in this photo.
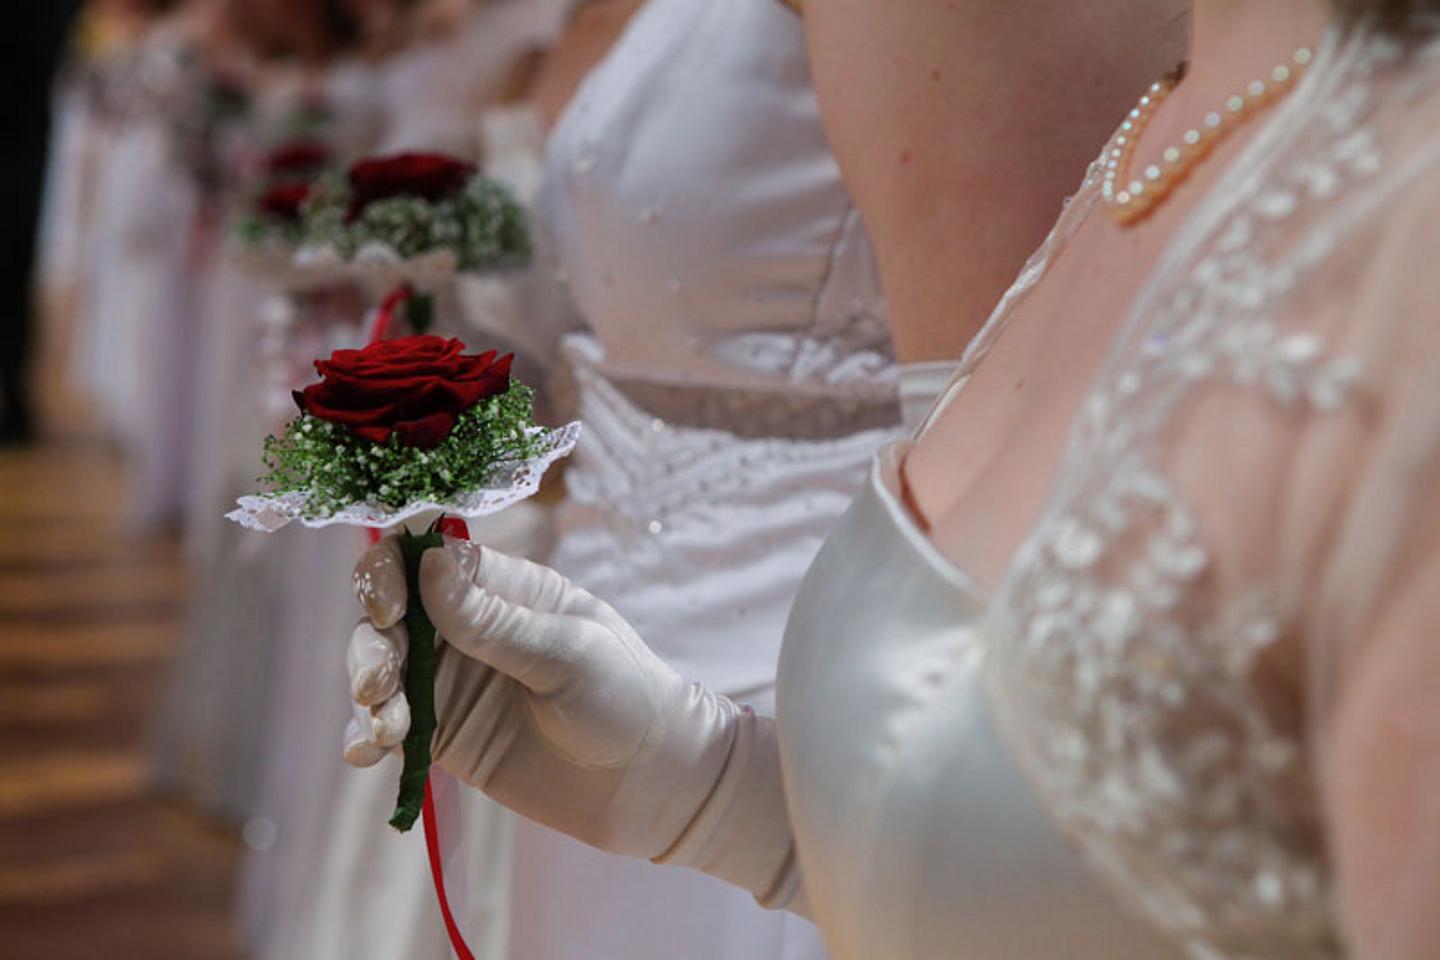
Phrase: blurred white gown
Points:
(734, 380)
(1257, 461)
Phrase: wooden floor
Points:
(91, 864)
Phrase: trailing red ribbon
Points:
(437, 872)
(451, 527)
(385, 316)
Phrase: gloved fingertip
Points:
(467, 555)
(442, 585)
(379, 583)
(375, 662)
(360, 751)
(390, 722)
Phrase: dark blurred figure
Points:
(30, 54)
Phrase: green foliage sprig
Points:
(334, 469)
(257, 229)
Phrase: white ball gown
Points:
(206, 741)
(134, 340)
(1110, 688)
(734, 376)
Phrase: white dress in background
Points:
(1256, 461)
(209, 735)
(734, 378)
(69, 188)
(436, 93)
(133, 347)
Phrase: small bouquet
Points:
(273, 217)
(421, 217)
(407, 431)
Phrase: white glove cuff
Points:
(741, 833)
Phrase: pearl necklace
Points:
(1130, 199)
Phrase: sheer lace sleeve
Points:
(1371, 627)
(1214, 658)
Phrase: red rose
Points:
(298, 159)
(284, 202)
(414, 388)
(429, 176)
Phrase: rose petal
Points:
(430, 177)
(413, 387)
(426, 433)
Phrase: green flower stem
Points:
(420, 311)
(419, 685)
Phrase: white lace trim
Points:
(374, 263)
(509, 484)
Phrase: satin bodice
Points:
(913, 805)
(1179, 653)
(699, 217)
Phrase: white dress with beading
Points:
(734, 377)
(1254, 471)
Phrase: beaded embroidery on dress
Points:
(1133, 681)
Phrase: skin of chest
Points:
(981, 474)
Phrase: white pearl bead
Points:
(1235, 104)
(1280, 74)
(1192, 137)
(1172, 155)
(1304, 55)
(1213, 120)
(1136, 188)
(1256, 89)
(1152, 173)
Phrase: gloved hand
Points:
(549, 703)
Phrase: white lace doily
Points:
(379, 264)
(275, 264)
(510, 483)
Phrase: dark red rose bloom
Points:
(414, 388)
(284, 202)
(300, 158)
(429, 176)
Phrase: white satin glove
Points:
(550, 703)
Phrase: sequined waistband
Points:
(780, 411)
(647, 468)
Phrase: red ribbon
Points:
(385, 316)
(437, 872)
(451, 527)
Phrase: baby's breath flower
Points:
(335, 470)
(482, 224)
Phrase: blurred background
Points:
(169, 725)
